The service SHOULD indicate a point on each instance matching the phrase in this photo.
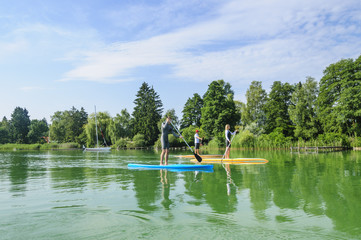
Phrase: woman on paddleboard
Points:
(228, 134)
(166, 129)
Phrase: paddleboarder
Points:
(166, 129)
(197, 142)
(228, 135)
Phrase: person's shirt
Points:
(229, 134)
(167, 129)
(196, 138)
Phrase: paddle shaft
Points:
(199, 159)
(181, 135)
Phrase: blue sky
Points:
(59, 54)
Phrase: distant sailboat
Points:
(97, 149)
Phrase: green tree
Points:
(276, 108)
(240, 106)
(120, 126)
(192, 111)
(147, 113)
(19, 125)
(38, 129)
(4, 131)
(68, 126)
(254, 108)
(302, 110)
(339, 102)
(218, 109)
(104, 121)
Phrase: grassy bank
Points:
(50, 146)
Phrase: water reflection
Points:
(290, 189)
(166, 202)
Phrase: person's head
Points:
(169, 118)
(197, 131)
(228, 127)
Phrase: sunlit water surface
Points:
(77, 195)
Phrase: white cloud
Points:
(248, 40)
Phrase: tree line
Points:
(327, 112)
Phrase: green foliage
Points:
(276, 108)
(68, 125)
(137, 141)
(19, 125)
(192, 111)
(339, 98)
(104, 121)
(355, 142)
(218, 109)
(254, 108)
(303, 109)
(215, 143)
(44, 146)
(254, 129)
(189, 132)
(278, 138)
(120, 126)
(147, 113)
(333, 139)
(4, 135)
(244, 139)
(121, 143)
(38, 129)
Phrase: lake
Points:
(78, 195)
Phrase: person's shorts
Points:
(197, 146)
(165, 142)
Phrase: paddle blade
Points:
(199, 159)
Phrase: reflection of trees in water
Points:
(217, 194)
(18, 173)
(146, 187)
(319, 184)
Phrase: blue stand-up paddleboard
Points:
(173, 167)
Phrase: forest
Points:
(324, 113)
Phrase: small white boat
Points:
(97, 149)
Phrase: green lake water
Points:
(77, 195)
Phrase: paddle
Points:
(199, 159)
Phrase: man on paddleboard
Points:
(166, 129)
(197, 142)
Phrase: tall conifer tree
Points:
(147, 113)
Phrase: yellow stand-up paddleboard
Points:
(234, 160)
(202, 156)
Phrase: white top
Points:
(196, 138)
(227, 134)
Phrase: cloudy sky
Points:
(58, 54)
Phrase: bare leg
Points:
(162, 156)
(166, 156)
(227, 152)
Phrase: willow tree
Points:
(104, 122)
(147, 113)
